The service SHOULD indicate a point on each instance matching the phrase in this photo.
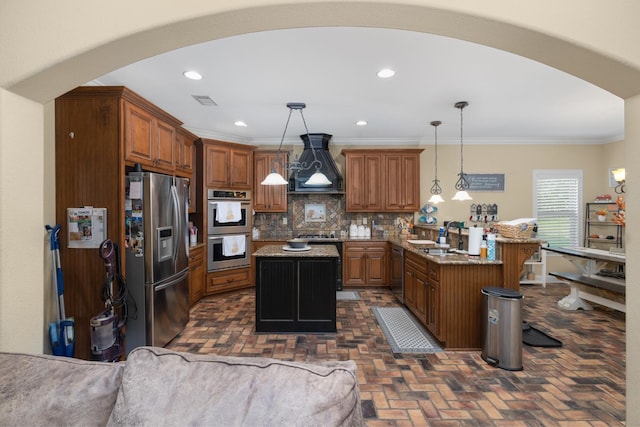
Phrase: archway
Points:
(37, 69)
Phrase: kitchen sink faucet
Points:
(455, 224)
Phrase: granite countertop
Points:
(316, 251)
(450, 258)
(499, 238)
(336, 239)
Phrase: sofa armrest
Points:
(47, 390)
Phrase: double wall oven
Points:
(228, 225)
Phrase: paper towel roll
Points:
(475, 240)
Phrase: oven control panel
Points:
(228, 195)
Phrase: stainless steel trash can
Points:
(502, 328)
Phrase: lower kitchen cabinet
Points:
(364, 263)
(433, 299)
(396, 266)
(415, 282)
(196, 273)
(447, 298)
(228, 280)
(295, 294)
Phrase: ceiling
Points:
(333, 70)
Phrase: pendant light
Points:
(435, 188)
(318, 178)
(462, 185)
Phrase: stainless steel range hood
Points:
(320, 143)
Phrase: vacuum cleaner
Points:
(107, 328)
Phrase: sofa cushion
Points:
(161, 387)
(47, 390)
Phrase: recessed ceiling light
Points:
(361, 123)
(240, 123)
(385, 73)
(193, 75)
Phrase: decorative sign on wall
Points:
(485, 181)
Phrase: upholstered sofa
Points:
(159, 387)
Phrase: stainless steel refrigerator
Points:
(157, 258)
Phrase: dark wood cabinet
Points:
(186, 163)
(196, 273)
(382, 180)
(432, 315)
(364, 263)
(228, 280)
(402, 186)
(185, 153)
(269, 198)
(149, 140)
(295, 294)
(364, 181)
(416, 285)
(227, 165)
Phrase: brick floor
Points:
(580, 384)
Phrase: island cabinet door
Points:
(317, 294)
(275, 292)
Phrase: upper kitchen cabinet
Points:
(149, 136)
(269, 198)
(382, 180)
(227, 165)
(402, 186)
(364, 177)
(186, 163)
(185, 153)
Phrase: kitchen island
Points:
(444, 292)
(513, 252)
(296, 290)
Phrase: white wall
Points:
(21, 223)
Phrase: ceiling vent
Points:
(205, 100)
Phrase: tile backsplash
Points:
(301, 220)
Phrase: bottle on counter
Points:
(491, 247)
(442, 239)
(483, 249)
(353, 230)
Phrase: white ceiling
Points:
(333, 70)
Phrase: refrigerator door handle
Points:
(178, 224)
(177, 279)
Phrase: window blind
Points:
(558, 206)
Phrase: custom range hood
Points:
(318, 142)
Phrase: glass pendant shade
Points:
(435, 199)
(318, 178)
(274, 178)
(461, 195)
